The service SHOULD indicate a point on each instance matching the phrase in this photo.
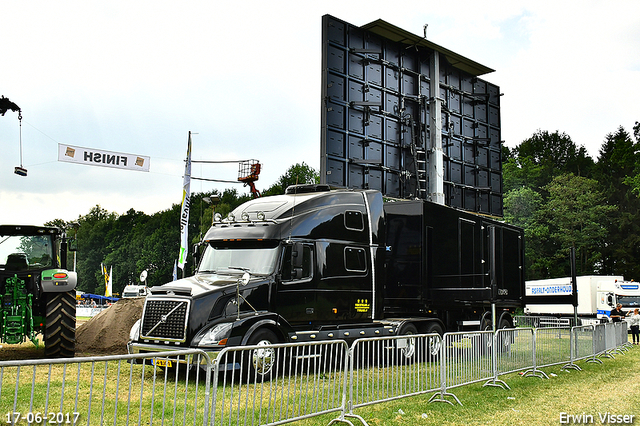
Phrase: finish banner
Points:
(96, 157)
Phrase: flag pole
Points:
(184, 211)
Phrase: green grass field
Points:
(137, 394)
(612, 387)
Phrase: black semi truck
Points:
(320, 264)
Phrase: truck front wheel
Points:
(261, 362)
(60, 325)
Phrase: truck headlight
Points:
(216, 334)
(134, 334)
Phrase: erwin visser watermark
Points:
(599, 418)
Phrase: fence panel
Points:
(534, 321)
(515, 349)
(265, 385)
(388, 368)
(553, 346)
(610, 337)
(583, 338)
(467, 358)
(108, 390)
(622, 334)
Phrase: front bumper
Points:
(164, 351)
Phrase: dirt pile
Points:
(108, 332)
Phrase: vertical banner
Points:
(109, 292)
(184, 212)
(175, 270)
(107, 279)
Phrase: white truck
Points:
(597, 296)
(135, 291)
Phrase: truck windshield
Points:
(26, 252)
(258, 261)
(629, 301)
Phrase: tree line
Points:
(565, 199)
(134, 241)
(553, 189)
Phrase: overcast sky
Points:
(137, 76)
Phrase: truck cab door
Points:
(611, 301)
(296, 285)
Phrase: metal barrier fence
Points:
(118, 390)
(582, 344)
(553, 346)
(534, 321)
(387, 368)
(622, 335)
(466, 358)
(515, 350)
(277, 384)
(266, 385)
(610, 339)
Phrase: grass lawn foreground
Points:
(598, 390)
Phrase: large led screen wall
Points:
(376, 110)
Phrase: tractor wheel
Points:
(60, 325)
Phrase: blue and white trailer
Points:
(597, 295)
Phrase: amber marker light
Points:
(60, 275)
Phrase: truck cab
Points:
(627, 293)
(308, 258)
(131, 291)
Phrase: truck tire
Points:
(260, 364)
(60, 325)
(406, 348)
(504, 323)
(505, 339)
(485, 323)
(434, 343)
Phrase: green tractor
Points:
(37, 294)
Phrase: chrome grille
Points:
(165, 319)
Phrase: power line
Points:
(215, 180)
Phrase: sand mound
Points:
(108, 332)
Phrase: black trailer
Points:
(451, 264)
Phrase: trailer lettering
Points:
(552, 289)
(362, 305)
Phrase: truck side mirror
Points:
(196, 255)
(72, 244)
(610, 300)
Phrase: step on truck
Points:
(38, 294)
(322, 264)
